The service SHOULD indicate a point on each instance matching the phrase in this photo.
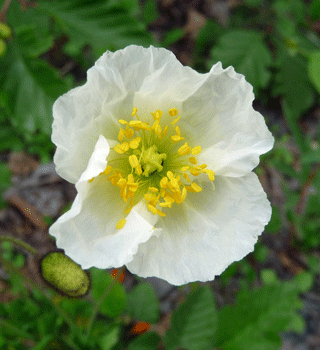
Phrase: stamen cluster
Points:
(162, 179)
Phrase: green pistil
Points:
(151, 160)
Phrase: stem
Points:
(59, 310)
(4, 10)
(98, 304)
(19, 243)
(19, 332)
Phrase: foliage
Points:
(45, 49)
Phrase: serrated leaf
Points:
(258, 317)
(146, 341)
(102, 24)
(143, 304)
(115, 300)
(247, 53)
(193, 322)
(293, 84)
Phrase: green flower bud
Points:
(3, 47)
(64, 274)
(5, 31)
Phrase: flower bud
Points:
(64, 274)
(5, 31)
(3, 47)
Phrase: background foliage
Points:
(46, 48)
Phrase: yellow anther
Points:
(125, 146)
(193, 160)
(165, 130)
(164, 182)
(196, 150)
(122, 183)
(184, 150)
(108, 170)
(138, 170)
(134, 111)
(159, 212)
(153, 209)
(120, 223)
(184, 168)
(196, 187)
(157, 115)
(173, 112)
(128, 132)
(123, 122)
(149, 197)
(121, 135)
(195, 171)
(203, 166)
(153, 189)
(170, 175)
(176, 138)
(184, 194)
(134, 143)
(91, 179)
(131, 180)
(175, 121)
(118, 149)
(133, 160)
(165, 204)
(158, 130)
(210, 174)
(186, 177)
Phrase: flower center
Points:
(152, 166)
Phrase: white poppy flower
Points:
(162, 159)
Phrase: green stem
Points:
(19, 332)
(19, 243)
(59, 310)
(98, 304)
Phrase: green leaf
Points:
(172, 36)
(314, 10)
(293, 84)
(247, 53)
(253, 3)
(193, 322)
(5, 181)
(292, 10)
(314, 69)
(115, 300)
(257, 317)
(30, 41)
(102, 24)
(150, 11)
(304, 281)
(33, 86)
(143, 304)
(109, 340)
(146, 341)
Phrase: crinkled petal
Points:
(206, 233)
(85, 112)
(87, 232)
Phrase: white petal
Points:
(87, 232)
(206, 233)
(85, 112)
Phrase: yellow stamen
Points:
(173, 112)
(120, 224)
(175, 121)
(196, 150)
(153, 189)
(123, 122)
(184, 150)
(193, 160)
(134, 143)
(91, 180)
(133, 160)
(210, 173)
(134, 111)
(184, 168)
(107, 170)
